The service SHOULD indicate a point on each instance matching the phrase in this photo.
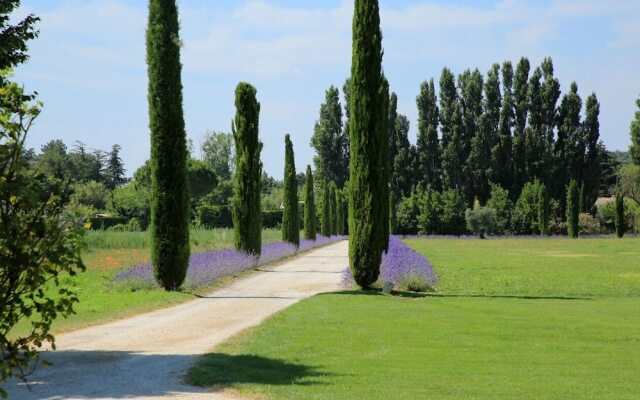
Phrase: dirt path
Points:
(145, 357)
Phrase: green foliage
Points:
(114, 169)
(619, 215)
(502, 157)
(543, 210)
(481, 220)
(290, 218)
(330, 141)
(201, 179)
(429, 220)
(588, 224)
(218, 152)
(634, 131)
(453, 208)
(247, 213)
(272, 219)
(629, 181)
(592, 173)
(407, 214)
(334, 205)
(101, 223)
(326, 224)
(501, 202)
(170, 203)
(90, 193)
(368, 128)
(39, 245)
(573, 209)
(525, 218)
(428, 146)
(521, 109)
(212, 216)
(310, 213)
(131, 201)
(339, 207)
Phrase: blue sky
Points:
(88, 65)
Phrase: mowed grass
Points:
(499, 328)
(109, 251)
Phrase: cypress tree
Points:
(543, 210)
(429, 158)
(309, 207)
(384, 189)
(335, 205)
(326, 224)
(368, 123)
(290, 218)
(246, 210)
(620, 222)
(170, 203)
(339, 212)
(573, 209)
(634, 131)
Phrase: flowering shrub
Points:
(403, 267)
(205, 268)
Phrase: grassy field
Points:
(109, 251)
(513, 319)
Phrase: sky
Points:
(88, 65)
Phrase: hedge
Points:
(101, 223)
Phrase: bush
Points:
(407, 216)
(588, 224)
(524, 219)
(92, 193)
(430, 210)
(500, 202)
(101, 223)
(119, 228)
(134, 225)
(272, 219)
(481, 220)
(453, 209)
(131, 201)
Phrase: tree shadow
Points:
(221, 370)
(401, 293)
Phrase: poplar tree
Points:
(170, 203)
(428, 146)
(521, 107)
(550, 92)
(471, 85)
(246, 209)
(634, 131)
(402, 179)
(619, 218)
(573, 208)
(290, 218)
(592, 157)
(328, 140)
(310, 211)
(368, 126)
(534, 142)
(502, 153)
(451, 128)
(565, 146)
(326, 224)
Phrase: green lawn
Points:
(514, 319)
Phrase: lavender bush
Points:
(206, 268)
(403, 267)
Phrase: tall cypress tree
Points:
(246, 209)
(428, 159)
(543, 210)
(592, 157)
(502, 153)
(310, 211)
(339, 212)
(384, 172)
(634, 131)
(333, 193)
(521, 108)
(573, 209)
(326, 223)
(169, 187)
(290, 218)
(620, 222)
(368, 123)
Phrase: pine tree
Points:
(368, 123)
(246, 210)
(634, 130)
(502, 153)
(310, 211)
(290, 218)
(592, 157)
(114, 170)
(521, 108)
(326, 224)
(428, 146)
(328, 140)
(620, 222)
(573, 208)
(170, 203)
(543, 210)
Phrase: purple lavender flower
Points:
(207, 267)
(403, 267)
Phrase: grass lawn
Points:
(106, 253)
(514, 319)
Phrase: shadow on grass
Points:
(221, 370)
(400, 293)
